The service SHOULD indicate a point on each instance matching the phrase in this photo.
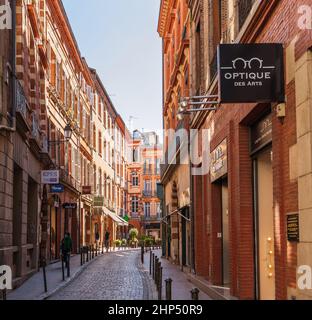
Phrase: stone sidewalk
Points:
(33, 288)
(181, 286)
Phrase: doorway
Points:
(264, 225)
(225, 232)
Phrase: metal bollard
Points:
(90, 253)
(156, 270)
(87, 253)
(68, 265)
(96, 249)
(102, 247)
(142, 254)
(150, 267)
(160, 282)
(4, 294)
(194, 294)
(81, 260)
(168, 288)
(44, 275)
(153, 266)
(63, 271)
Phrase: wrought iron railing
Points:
(21, 101)
(244, 8)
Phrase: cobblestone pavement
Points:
(115, 276)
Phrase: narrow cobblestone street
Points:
(115, 276)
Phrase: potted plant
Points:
(133, 233)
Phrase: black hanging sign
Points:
(251, 73)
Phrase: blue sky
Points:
(119, 38)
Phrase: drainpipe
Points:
(12, 128)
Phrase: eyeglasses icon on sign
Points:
(242, 63)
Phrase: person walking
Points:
(66, 248)
(107, 234)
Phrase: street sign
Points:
(50, 176)
(70, 205)
(251, 73)
(98, 201)
(57, 188)
(86, 190)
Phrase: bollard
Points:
(96, 249)
(81, 260)
(90, 253)
(102, 247)
(87, 253)
(168, 288)
(194, 294)
(156, 270)
(44, 275)
(153, 265)
(4, 294)
(63, 272)
(142, 254)
(150, 268)
(68, 265)
(160, 283)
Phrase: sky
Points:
(119, 39)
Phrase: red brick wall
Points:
(231, 122)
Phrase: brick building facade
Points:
(240, 217)
(143, 176)
(46, 86)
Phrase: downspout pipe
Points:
(12, 128)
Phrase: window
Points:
(147, 209)
(100, 143)
(134, 205)
(135, 179)
(158, 210)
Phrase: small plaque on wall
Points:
(293, 227)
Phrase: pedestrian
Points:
(66, 248)
(107, 234)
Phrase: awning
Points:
(117, 219)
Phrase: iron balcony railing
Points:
(244, 8)
(149, 194)
(21, 102)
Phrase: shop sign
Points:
(261, 133)
(70, 205)
(86, 190)
(293, 227)
(57, 188)
(98, 201)
(251, 73)
(50, 176)
(219, 161)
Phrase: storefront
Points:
(262, 157)
(219, 178)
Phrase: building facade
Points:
(174, 29)
(56, 116)
(143, 176)
(255, 185)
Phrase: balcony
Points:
(36, 140)
(244, 8)
(66, 178)
(22, 109)
(150, 219)
(149, 194)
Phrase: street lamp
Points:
(67, 134)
